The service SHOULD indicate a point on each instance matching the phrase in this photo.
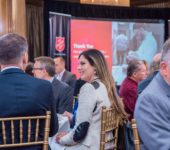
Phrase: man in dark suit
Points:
(62, 74)
(21, 94)
(62, 92)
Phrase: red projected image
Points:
(87, 34)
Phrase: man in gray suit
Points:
(152, 111)
(44, 68)
(62, 74)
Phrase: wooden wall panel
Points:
(19, 17)
(146, 2)
(3, 16)
(12, 17)
(155, 5)
(108, 2)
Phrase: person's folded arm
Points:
(87, 103)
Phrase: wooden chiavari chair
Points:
(109, 124)
(135, 135)
(20, 126)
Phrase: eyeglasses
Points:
(37, 68)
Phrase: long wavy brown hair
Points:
(97, 60)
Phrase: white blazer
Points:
(91, 95)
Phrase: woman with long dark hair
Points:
(98, 91)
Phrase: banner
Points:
(59, 37)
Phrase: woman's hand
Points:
(59, 136)
(68, 115)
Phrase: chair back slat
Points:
(135, 135)
(20, 131)
(17, 127)
(116, 131)
(46, 131)
(37, 130)
(109, 126)
(12, 131)
(103, 125)
(29, 129)
(4, 132)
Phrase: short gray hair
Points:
(133, 66)
(166, 51)
(47, 63)
(12, 47)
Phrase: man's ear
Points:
(45, 71)
(163, 68)
(25, 59)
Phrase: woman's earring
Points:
(95, 71)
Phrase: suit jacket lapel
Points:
(64, 76)
(55, 81)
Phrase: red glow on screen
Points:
(87, 34)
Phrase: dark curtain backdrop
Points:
(59, 26)
(35, 33)
(105, 12)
